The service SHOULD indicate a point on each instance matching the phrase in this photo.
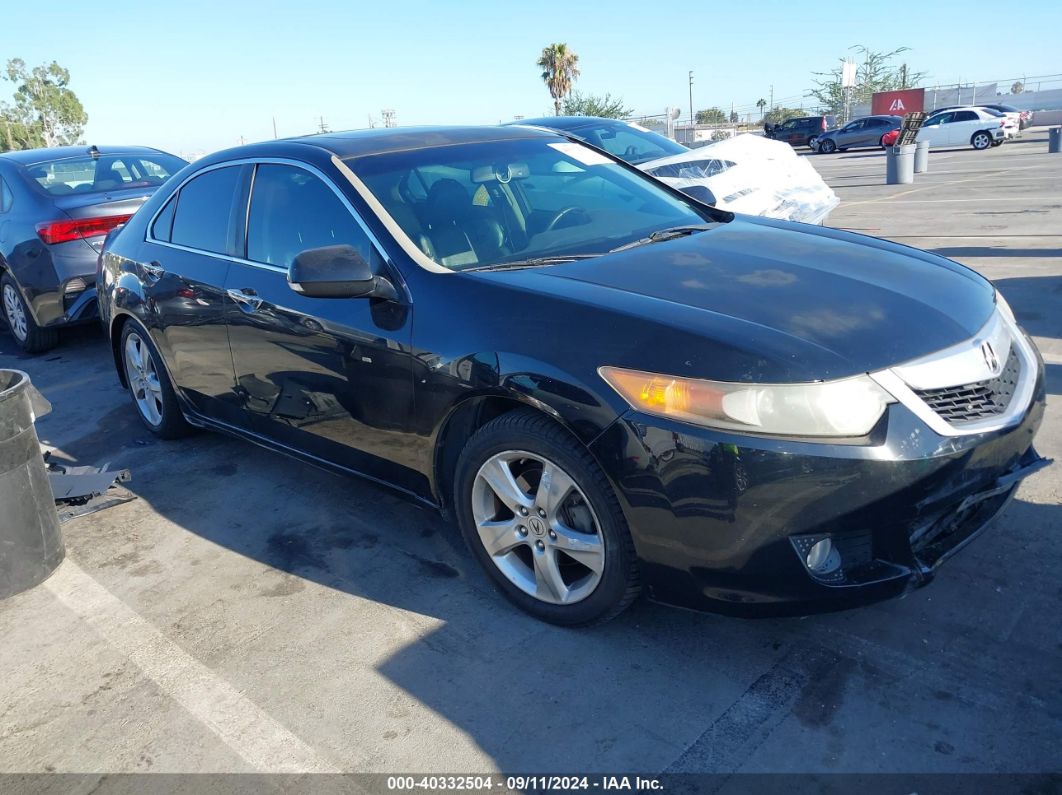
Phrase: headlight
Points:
(1004, 308)
(850, 407)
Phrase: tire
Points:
(530, 563)
(807, 143)
(980, 140)
(827, 147)
(30, 337)
(157, 407)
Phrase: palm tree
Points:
(560, 68)
(761, 104)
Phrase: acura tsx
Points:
(609, 386)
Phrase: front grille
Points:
(961, 405)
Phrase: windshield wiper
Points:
(532, 262)
(660, 235)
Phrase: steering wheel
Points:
(571, 212)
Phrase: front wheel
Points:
(149, 386)
(827, 147)
(541, 518)
(981, 140)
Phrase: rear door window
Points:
(965, 115)
(202, 219)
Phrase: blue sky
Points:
(195, 75)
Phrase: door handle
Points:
(246, 298)
(154, 270)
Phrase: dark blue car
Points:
(56, 206)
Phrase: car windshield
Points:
(629, 142)
(107, 172)
(488, 204)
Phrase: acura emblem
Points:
(990, 357)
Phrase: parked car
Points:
(56, 205)
(613, 388)
(1010, 123)
(1018, 119)
(866, 131)
(744, 174)
(974, 127)
(800, 131)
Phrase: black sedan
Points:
(56, 206)
(611, 387)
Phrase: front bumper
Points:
(723, 522)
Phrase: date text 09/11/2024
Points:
(523, 783)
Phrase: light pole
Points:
(689, 138)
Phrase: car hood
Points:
(805, 302)
(769, 178)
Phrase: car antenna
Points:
(94, 151)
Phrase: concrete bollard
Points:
(31, 545)
(899, 165)
(1054, 140)
(921, 157)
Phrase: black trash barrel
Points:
(31, 545)
(1054, 140)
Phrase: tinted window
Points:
(6, 199)
(965, 115)
(160, 230)
(292, 211)
(204, 206)
(105, 172)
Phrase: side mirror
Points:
(337, 272)
(700, 193)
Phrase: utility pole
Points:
(321, 127)
(771, 106)
(689, 138)
(274, 128)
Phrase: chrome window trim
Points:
(256, 161)
(893, 382)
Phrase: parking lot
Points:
(250, 613)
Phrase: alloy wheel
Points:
(538, 528)
(143, 379)
(16, 315)
(981, 141)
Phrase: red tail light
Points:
(52, 232)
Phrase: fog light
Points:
(823, 557)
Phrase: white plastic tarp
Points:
(766, 178)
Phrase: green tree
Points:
(876, 73)
(605, 105)
(560, 68)
(1017, 88)
(711, 116)
(780, 114)
(735, 117)
(46, 112)
(761, 104)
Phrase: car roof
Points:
(359, 143)
(30, 157)
(564, 122)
